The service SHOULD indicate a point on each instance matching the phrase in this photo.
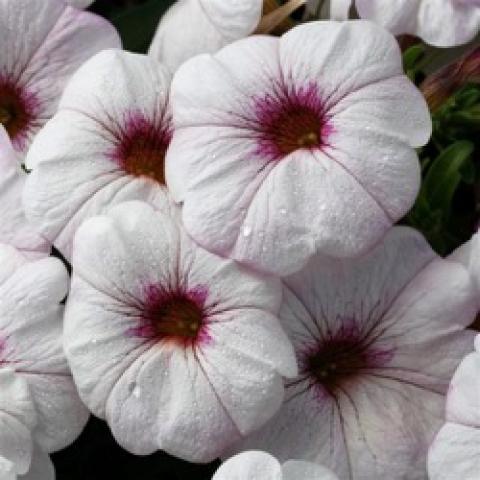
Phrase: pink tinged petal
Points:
(31, 321)
(252, 465)
(17, 418)
(59, 40)
(425, 18)
(211, 25)
(296, 470)
(15, 230)
(114, 126)
(463, 399)
(130, 268)
(455, 453)
(41, 467)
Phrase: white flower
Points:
(377, 340)
(467, 255)
(31, 343)
(176, 348)
(443, 23)
(106, 144)
(43, 43)
(18, 455)
(14, 228)
(191, 27)
(255, 465)
(455, 453)
(287, 147)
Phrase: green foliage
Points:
(446, 210)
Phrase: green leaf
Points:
(137, 24)
(412, 56)
(445, 174)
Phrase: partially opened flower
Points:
(31, 344)
(17, 420)
(455, 453)
(176, 348)
(106, 144)
(256, 465)
(287, 147)
(18, 454)
(191, 27)
(36, 62)
(443, 23)
(377, 340)
(15, 230)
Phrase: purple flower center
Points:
(142, 146)
(17, 111)
(178, 315)
(340, 357)
(290, 121)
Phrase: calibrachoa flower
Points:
(18, 454)
(287, 147)
(105, 145)
(176, 348)
(37, 61)
(255, 465)
(191, 27)
(443, 23)
(455, 452)
(377, 340)
(14, 228)
(31, 343)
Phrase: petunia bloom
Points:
(191, 27)
(176, 348)
(455, 453)
(377, 340)
(106, 144)
(36, 62)
(31, 344)
(15, 230)
(287, 147)
(18, 455)
(443, 23)
(256, 465)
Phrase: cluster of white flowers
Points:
(227, 205)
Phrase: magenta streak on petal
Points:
(141, 145)
(174, 314)
(19, 111)
(339, 357)
(291, 120)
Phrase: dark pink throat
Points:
(341, 357)
(291, 121)
(142, 146)
(177, 315)
(17, 111)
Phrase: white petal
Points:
(252, 465)
(14, 228)
(17, 418)
(340, 9)
(455, 453)
(297, 470)
(211, 24)
(463, 400)
(41, 467)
